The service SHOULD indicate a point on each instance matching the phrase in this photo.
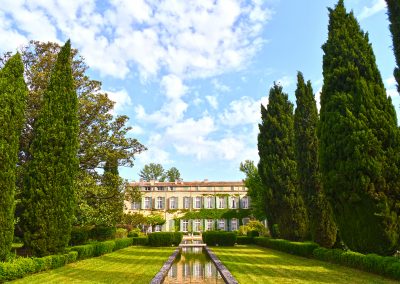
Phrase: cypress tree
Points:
(13, 93)
(48, 198)
(394, 18)
(358, 138)
(322, 226)
(277, 167)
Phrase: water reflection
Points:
(193, 265)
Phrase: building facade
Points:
(193, 206)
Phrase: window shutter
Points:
(142, 203)
(163, 203)
(194, 202)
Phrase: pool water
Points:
(193, 265)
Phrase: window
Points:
(234, 224)
(172, 203)
(148, 188)
(245, 221)
(171, 188)
(222, 201)
(186, 202)
(135, 205)
(185, 224)
(197, 202)
(157, 228)
(209, 202)
(245, 202)
(209, 225)
(221, 224)
(160, 188)
(196, 225)
(233, 203)
(159, 204)
(147, 203)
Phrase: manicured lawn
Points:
(253, 264)
(130, 265)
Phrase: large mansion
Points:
(193, 206)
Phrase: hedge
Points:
(219, 238)
(384, 265)
(244, 240)
(160, 239)
(20, 267)
(79, 236)
(102, 233)
(298, 248)
(140, 241)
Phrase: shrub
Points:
(298, 248)
(102, 233)
(219, 238)
(160, 239)
(140, 241)
(388, 266)
(121, 233)
(253, 233)
(133, 234)
(122, 243)
(244, 240)
(103, 247)
(79, 236)
(84, 251)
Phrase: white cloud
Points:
(391, 89)
(136, 130)
(121, 99)
(212, 100)
(220, 87)
(368, 11)
(285, 81)
(244, 111)
(173, 86)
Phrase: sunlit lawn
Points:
(130, 265)
(253, 264)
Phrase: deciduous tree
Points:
(152, 171)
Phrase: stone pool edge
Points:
(225, 273)
(159, 278)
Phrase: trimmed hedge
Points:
(123, 243)
(94, 249)
(140, 241)
(384, 265)
(79, 236)
(163, 239)
(20, 267)
(298, 248)
(244, 240)
(219, 238)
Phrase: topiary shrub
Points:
(79, 236)
(140, 241)
(219, 238)
(160, 239)
(243, 240)
(298, 248)
(102, 233)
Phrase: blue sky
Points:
(191, 75)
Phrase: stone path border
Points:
(159, 278)
(226, 275)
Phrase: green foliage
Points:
(217, 214)
(277, 167)
(140, 241)
(219, 238)
(79, 235)
(152, 171)
(164, 239)
(256, 190)
(123, 243)
(21, 267)
(173, 174)
(13, 93)
(49, 183)
(322, 226)
(121, 233)
(244, 240)
(298, 248)
(387, 266)
(394, 18)
(254, 225)
(102, 233)
(359, 140)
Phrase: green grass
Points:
(253, 264)
(130, 265)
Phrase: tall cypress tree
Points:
(48, 198)
(359, 142)
(13, 93)
(394, 18)
(277, 167)
(322, 226)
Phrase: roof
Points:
(188, 183)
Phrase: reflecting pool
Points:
(193, 265)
